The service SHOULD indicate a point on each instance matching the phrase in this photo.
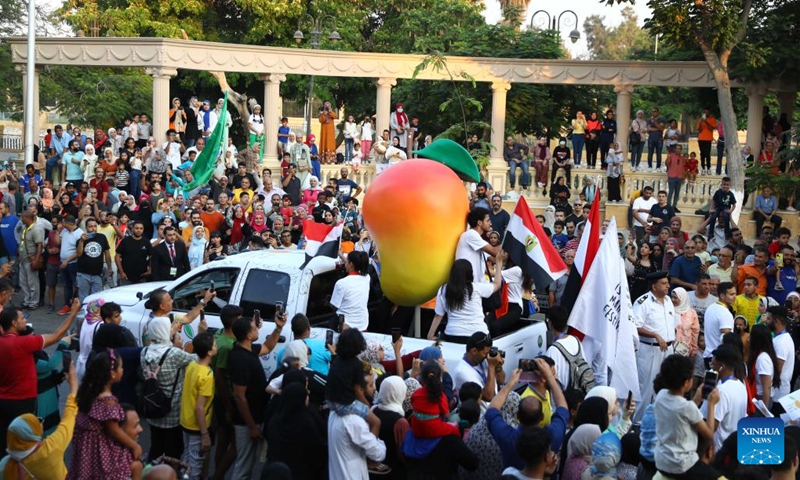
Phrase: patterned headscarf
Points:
(482, 444)
(606, 454)
(93, 311)
(372, 356)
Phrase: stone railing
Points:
(692, 197)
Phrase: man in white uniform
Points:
(471, 245)
(655, 320)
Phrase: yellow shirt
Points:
(199, 382)
(239, 191)
(111, 236)
(579, 126)
(48, 460)
(547, 407)
(747, 307)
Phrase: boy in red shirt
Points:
(690, 170)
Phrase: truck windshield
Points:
(262, 289)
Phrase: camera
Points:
(494, 351)
(527, 365)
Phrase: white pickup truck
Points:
(256, 280)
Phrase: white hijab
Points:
(159, 330)
(683, 307)
(580, 443)
(392, 394)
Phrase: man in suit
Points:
(170, 258)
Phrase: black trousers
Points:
(9, 410)
(760, 219)
(705, 154)
(507, 322)
(613, 189)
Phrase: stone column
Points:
(623, 117)
(497, 167)
(786, 101)
(36, 128)
(161, 101)
(383, 104)
(755, 115)
(272, 109)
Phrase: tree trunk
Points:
(735, 163)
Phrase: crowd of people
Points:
(346, 409)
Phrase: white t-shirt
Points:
(717, 317)
(86, 341)
(469, 318)
(731, 408)
(469, 248)
(571, 344)
(513, 278)
(676, 450)
(174, 155)
(701, 304)
(256, 124)
(645, 205)
(465, 372)
(350, 445)
(350, 297)
(784, 350)
(764, 366)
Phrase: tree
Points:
(626, 41)
(717, 27)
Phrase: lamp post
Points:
(317, 26)
(554, 23)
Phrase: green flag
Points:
(217, 143)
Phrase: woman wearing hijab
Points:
(237, 229)
(394, 426)
(298, 438)
(311, 193)
(256, 125)
(144, 214)
(163, 341)
(579, 451)
(258, 222)
(327, 135)
(66, 207)
(606, 455)
(197, 248)
(559, 193)
(483, 446)
(315, 381)
(89, 162)
(313, 151)
(688, 327)
(30, 455)
(621, 426)
(90, 325)
(594, 411)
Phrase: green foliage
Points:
(626, 41)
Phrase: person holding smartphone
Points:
(351, 294)
(92, 250)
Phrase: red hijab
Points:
(236, 231)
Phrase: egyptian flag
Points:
(321, 239)
(529, 248)
(587, 250)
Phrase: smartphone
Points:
(396, 334)
(329, 337)
(212, 288)
(779, 260)
(279, 310)
(709, 382)
(629, 400)
(438, 342)
(527, 365)
(202, 315)
(341, 323)
(91, 236)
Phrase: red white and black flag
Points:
(321, 239)
(587, 250)
(529, 248)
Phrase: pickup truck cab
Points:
(256, 280)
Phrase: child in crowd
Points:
(724, 203)
(196, 401)
(357, 156)
(283, 136)
(100, 447)
(430, 405)
(700, 250)
(559, 238)
(286, 210)
(470, 414)
(678, 421)
(123, 176)
(690, 170)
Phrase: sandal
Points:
(380, 469)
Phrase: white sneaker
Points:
(790, 209)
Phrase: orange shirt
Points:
(705, 129)
(745, 271)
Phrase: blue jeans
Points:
(726, 219)
(578, 141)
(674, 191)
(654, 146)
(51, 162)
(190, 142)
(135, 186)
(512, 173)
(88, 284)
(636, 153)
(348, 148)
(316, 170)
(69, 281)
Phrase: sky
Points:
(583, 8)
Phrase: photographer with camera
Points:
(530, 413)
(481, 364)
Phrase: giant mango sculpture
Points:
(416, 210)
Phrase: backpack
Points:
(581, 376)
(153, 402)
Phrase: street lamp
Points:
(317, 26)
(554, 23)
